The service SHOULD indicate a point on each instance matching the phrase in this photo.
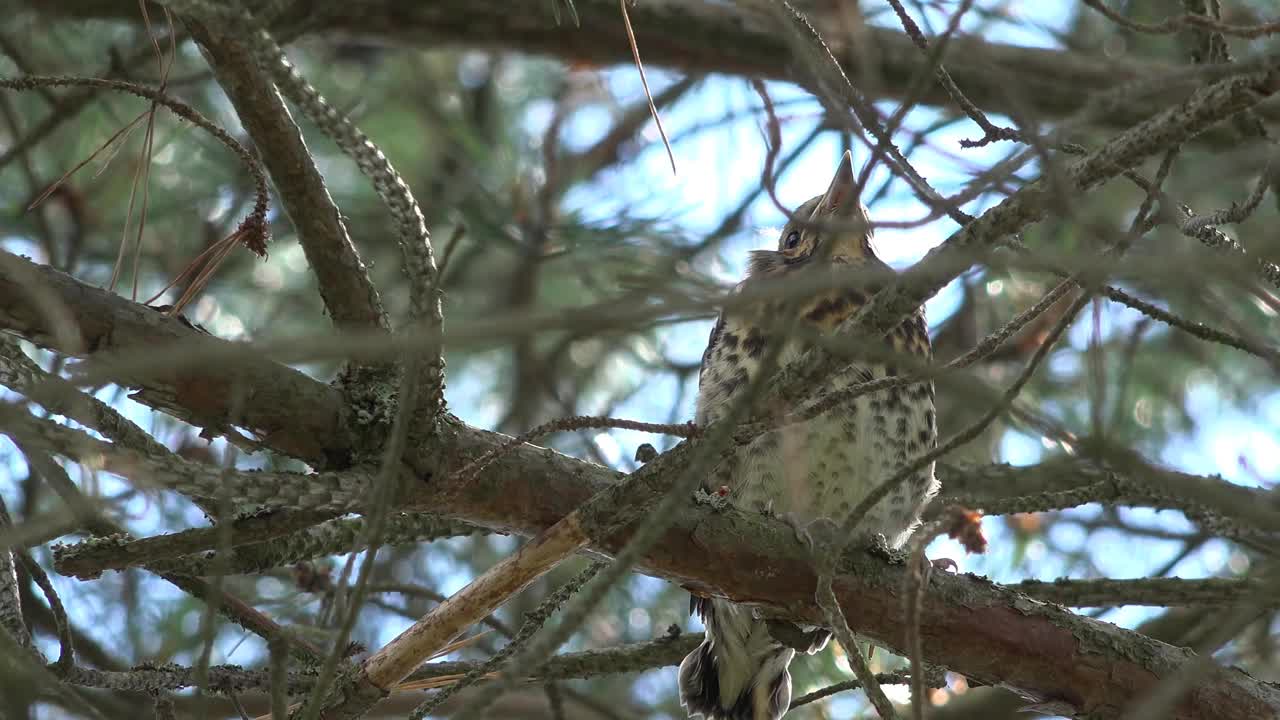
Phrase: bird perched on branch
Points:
(817, 469)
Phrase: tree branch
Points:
(1157, 592)
(988, 633)
(738, 39)
(251, 553)
(269, 490)
(10, 602)
(87, 560)
(287, 411)
(1064, 483)
(1032, 203)
(417, 257)
(349, 297)
(966, 624)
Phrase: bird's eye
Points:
(793, 239)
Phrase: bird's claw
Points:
(945, 565)
(927, 566)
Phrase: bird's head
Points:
(832, 227)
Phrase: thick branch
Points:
(988, 633)
(311, 421)
(286, 410)
(713, 37)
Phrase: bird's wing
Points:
(713, 342)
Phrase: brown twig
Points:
(66, 649)
(835, 618)
(990, 131)
(532, 624)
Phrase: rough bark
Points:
(988, 633)
(288, 411)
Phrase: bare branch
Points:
(319, 434)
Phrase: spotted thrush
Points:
(817, 469)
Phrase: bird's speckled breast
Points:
(825, 466)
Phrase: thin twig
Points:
(66, 650)
(991, 132)
(1205, 227)
(897, 677)
(957, 522)
(853, 653)
(1152, 592)
(635, 53)
(255, 224)
(829, 72)
(1178, 23)
(472, 469)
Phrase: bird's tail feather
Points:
(739, 672)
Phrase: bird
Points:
(814, 470)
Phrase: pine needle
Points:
(459, 644)
(653, 110)
(119, 135)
